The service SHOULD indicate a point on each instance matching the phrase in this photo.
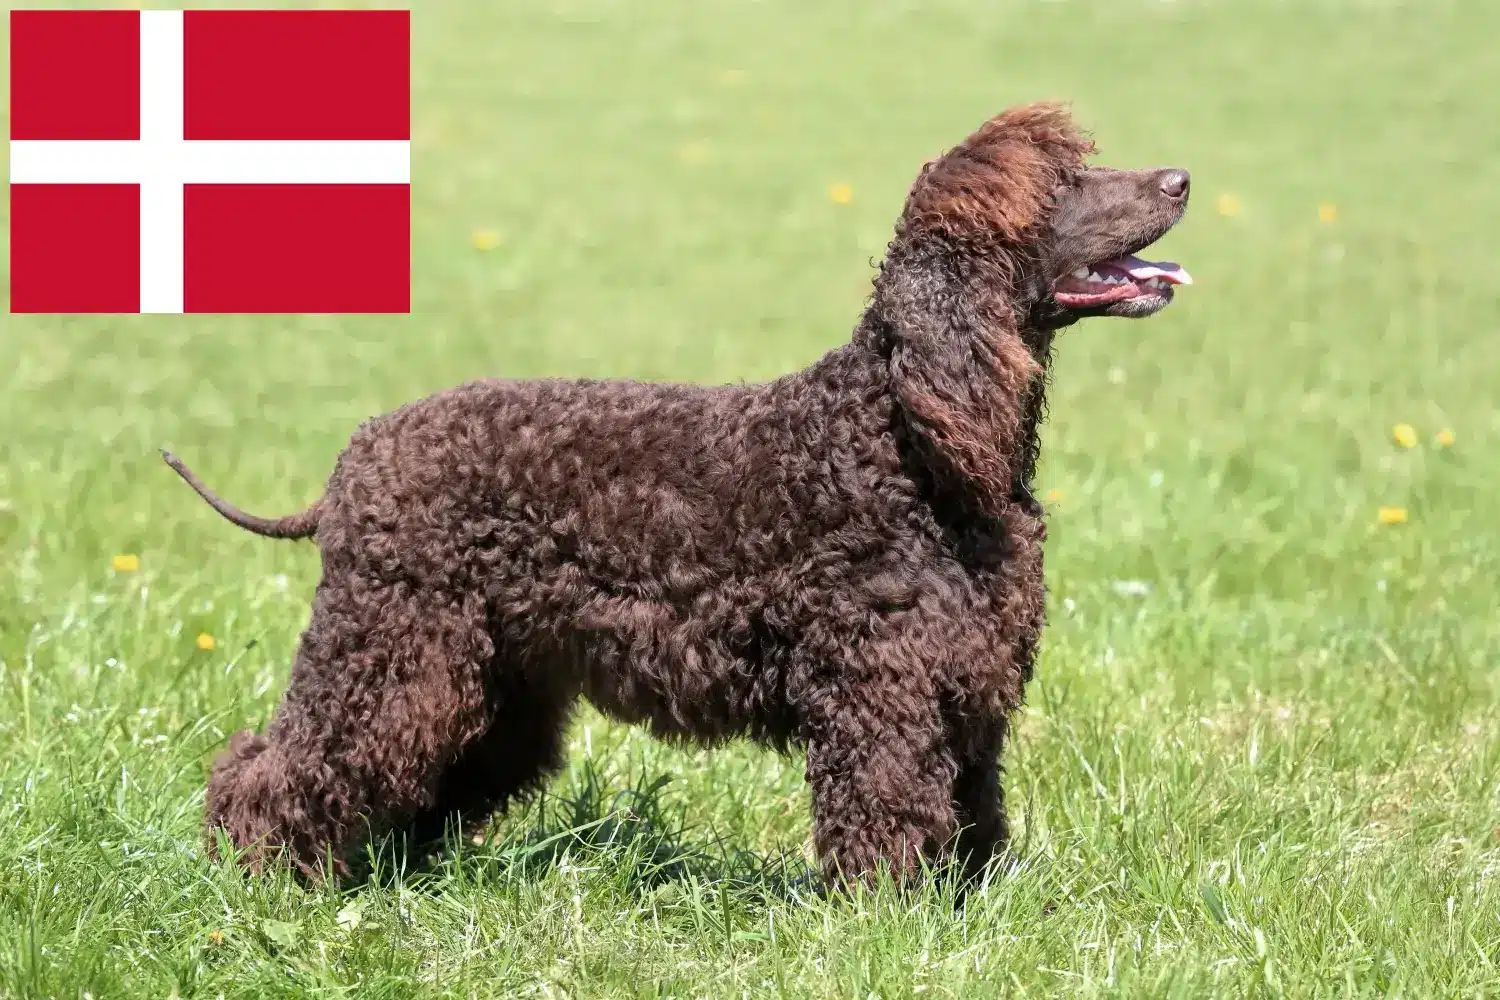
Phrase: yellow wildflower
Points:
(1393, 515)
(126, 563)
(205, 641)
(1444, 438)
(841, 193)
(485, 239)
(215, 937)
(1228, 205)
(1405, 435)
(1328, 212)
(1055, 495)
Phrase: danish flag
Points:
(222, 161)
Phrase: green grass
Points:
(1272, 774)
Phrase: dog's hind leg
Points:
(523, 747)
(387, 691)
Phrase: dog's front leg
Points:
(879, 767)
(978, 800)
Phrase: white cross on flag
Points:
(224, 161)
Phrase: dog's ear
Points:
(962, 373)
(943, 301)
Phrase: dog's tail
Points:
(299, 525)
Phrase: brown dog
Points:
(847, 559)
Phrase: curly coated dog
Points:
(846, 560)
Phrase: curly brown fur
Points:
(846, 560)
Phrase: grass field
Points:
(1262, 755)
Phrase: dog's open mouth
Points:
(1118, 279)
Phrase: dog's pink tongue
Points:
(1145, 270)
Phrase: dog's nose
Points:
(1174, 184)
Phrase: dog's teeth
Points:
(1095, 276)
(1081, 274)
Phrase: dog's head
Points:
(1068, 234)
(1003, 239)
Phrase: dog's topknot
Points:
(998, 182)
